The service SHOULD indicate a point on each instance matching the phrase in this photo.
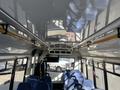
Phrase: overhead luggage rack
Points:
(18, 26)
(112, 26)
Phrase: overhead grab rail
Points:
(98, 56)
(12, 59)
(107, 38)
(15, 54)
(101, 40)
(114, 25)
(9, 56)
(15, 35)
(9, 20)
(107, 59)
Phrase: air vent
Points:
(60, 52)
(60, 46)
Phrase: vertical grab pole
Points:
(113, 68)
(22, 61)
(6, 65)
(81, 66)
(86, 69)
(94, 76)
(29, 66)
(105, 76)
(13, 75)
(25, 69)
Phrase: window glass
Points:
(92, 25)
(113, 82)
(77, 65)
(90, 72)
(19, 73)
(56, 69)
(101, 65)
(81, 34)
(84, 67)
(90, 62)
(117, 69)
(109, 67)
(2, 65)
(101, 20)
(114, 10)
(86, 31)
(99, 78)
(5, 76)
(78, 37)
(95, 63)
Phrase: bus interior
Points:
(59, 44)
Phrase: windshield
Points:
(56, 69)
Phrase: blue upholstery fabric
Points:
(48, 81)
(42, 86)
(39, 84)
(24, 86)
(33, 81)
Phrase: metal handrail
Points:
(10, 20)
(110, 26)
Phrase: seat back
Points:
(24, 86)
(48, 81)
(42, 86)
(33, 81)
(38, 84)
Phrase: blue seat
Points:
(42, 86)
(38, 84)
(49, 81)
(24, 86)
(33, 81)
(33, 77)
(47, 78)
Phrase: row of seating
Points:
(38, 86)
(24, 86)
(36, 83)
